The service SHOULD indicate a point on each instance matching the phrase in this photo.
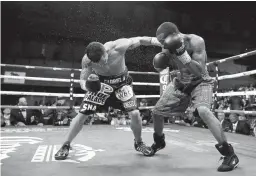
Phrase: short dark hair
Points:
(94, 51)
(167, 28)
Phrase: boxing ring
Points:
(108, 150)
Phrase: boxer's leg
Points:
(172, 102)
(136, 124)
(76, 125)
(202, 99)
(127, 99)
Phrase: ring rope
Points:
(237, 75)
(146, 107)
(236, 111)
(60, 94)
(227, 94)
(53, 107)
(65, 69)
(247, 73)
(241, 93)
(67, 80)
(232, 58)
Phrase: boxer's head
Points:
(165, 29)
(96, 52)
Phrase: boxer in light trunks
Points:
(193, 86)
(105, 79)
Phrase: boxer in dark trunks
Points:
(193, 86)
(105, 79)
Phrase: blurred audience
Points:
(23, 117)
(6, 117)
(145, 113)
(59, 116)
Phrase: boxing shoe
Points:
(230, 160)
(159, 142)
(141, 147)
(63, 152)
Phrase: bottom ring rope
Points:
(53, 107)
(146, 107)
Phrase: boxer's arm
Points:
(198, 61)
(131, 43)
(85, 72)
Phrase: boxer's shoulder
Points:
(109, 45)
(195, 40)
(86, 62)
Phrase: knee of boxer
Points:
(204, 112)
(134, 113)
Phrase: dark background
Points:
(65, 28)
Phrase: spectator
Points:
(145, 113)
(227, 124)
(221, 115)
(122, 118)
(239, 126)
(2, 120)
(113, 116)
(7, 116)
(236, 103)
(23, 117)
(60, 116)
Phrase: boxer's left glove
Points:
(160, 61)
(92, 83)
(175, 44)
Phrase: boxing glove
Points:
(93, 83)
(161, 61)
(175, 44)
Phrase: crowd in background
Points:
(235, 123)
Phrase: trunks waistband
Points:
(116, 79)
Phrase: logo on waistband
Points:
(115, 80)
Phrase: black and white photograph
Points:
(128, 88)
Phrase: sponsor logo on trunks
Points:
(77, 154)
(10, 144)
(96, 97)
(88, 107)
(130, 104)
(124, 93)
(106, 88)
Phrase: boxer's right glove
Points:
(92, 83)
(161, 61)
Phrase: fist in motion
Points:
(93, 83)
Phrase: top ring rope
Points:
(66, 69)
(232, 58)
